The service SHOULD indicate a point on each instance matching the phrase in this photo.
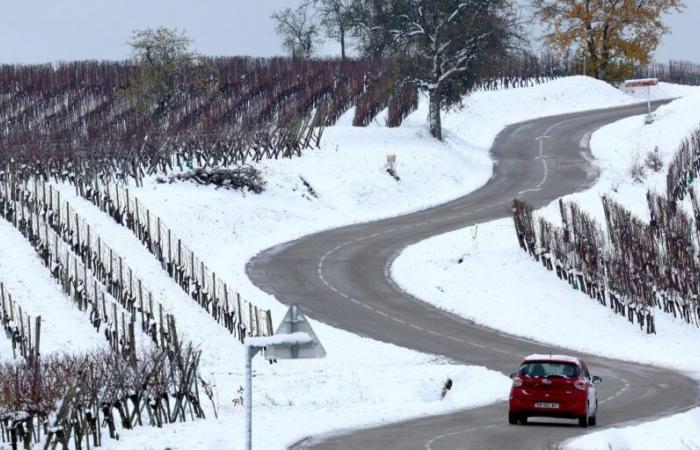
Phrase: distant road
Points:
(341, 277)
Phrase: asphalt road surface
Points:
(341, 277)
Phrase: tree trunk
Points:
(605, 55)
(434, 115)
(592, 50)
(342, 44)
(593, 58)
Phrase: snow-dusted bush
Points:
(97, 389)
(239, 178)
(653, 160)
(684, 167)
(637, 170)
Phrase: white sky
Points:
(51, 30)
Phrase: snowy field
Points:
(350, 184)
(531, 302)
(681, 432)
(362, 381)
(24, 276)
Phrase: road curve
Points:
(341, 277)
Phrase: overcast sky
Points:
(52, 30)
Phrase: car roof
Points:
(553, 358)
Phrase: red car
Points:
(553, 386)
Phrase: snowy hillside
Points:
(361, 381)
(31, 287)
(531, 302)
(350, 184)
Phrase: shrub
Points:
(637, 170)
(239, 178)
(653, 160)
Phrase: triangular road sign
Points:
(294, 322)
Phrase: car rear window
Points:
(549, 370)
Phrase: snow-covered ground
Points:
(531, 302)
(528, 300)
(679, 432)
(348, 176)
(361, 381)
(63, 326)
(351, 185)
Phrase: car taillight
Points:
(581, 385)
(517, 382)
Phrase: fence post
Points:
(170, 255)
(204, 282)
(160, 325)
(115, 331)
(89, 247)
(148, 230)
(137, 224)
(240, 308)
(77, 232)
(213, 296)
(141, 302)
(270, 331)
(179, 251)
(124, 335)
(37, 336)
(23, 348)
(250, 318)
(67, 223)
(257, 322)
(121, 279)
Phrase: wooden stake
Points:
(37, 337)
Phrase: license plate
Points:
(547, 405)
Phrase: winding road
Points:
(342, 277)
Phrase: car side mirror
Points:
(596, 379)
(512, 375)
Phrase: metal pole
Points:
(293, 328)
(649, 99)
(248, 401)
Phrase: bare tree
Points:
(441, 46)
(336, 18)
(370, 26)
(299, 31)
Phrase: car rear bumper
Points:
(569, 409)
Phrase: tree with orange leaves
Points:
(612, 35)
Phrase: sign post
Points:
(295, 339)
(647, 83)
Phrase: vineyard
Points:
(72, 125)
(679, 72)
(635, 268)
(51, 116)
(140, 334)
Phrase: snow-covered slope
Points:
(361, 381)
(495, 250)
(349, 179)
(350, 184)
(497, 285)
(679, 432)
(63, 327)
(617, 146)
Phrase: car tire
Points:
(592, 421)
(513, 419)
(583, 422)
